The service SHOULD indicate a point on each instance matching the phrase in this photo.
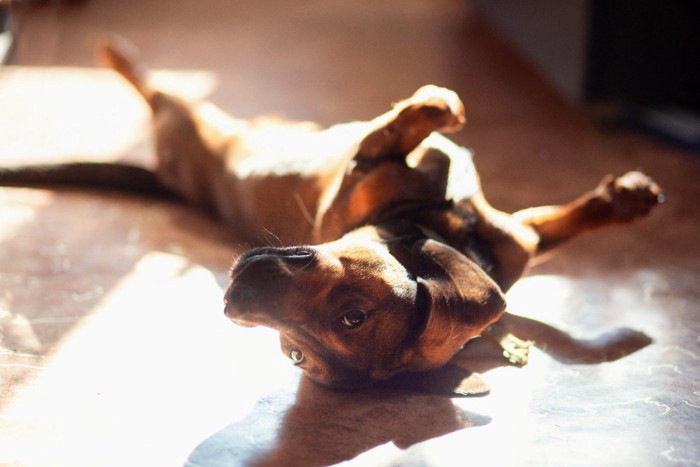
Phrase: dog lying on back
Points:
(395, 259)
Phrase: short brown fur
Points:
(394, 258)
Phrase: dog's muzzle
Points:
(260, 279)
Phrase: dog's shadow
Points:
(318, 426)
(323, 427)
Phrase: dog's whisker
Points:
(309, 263)
(241, 248)
(304, 211)
(279, 241)
(263, 240)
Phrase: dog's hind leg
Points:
(121, 56)
(614, 200)
(191, 139)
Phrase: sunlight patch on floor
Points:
(15, 215)
(542, 297)
(156, 365)
(90, 101)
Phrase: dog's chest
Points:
(463, 180)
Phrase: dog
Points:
(393, 258)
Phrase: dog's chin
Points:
(342, 383)
(246, 318)
(242, 322)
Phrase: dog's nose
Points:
(269, 259)
(260, 281)
(297, 255)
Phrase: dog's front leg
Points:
(400, 130)
(616, 199)
(564, 347)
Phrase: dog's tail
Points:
(119, 55)
(109, 176)
(122, 56)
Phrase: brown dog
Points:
(410, 261)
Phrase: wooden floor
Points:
(113, 346)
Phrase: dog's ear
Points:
(457, 299)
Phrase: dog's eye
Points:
(353, 319)
(297, 356)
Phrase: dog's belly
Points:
(278, 202)
(293, 149)
(275, 181)
(277, 175)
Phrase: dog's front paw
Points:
(515, 350)
(629, 196)
(442, 106)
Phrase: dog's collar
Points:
(405, 209)
(431, 234)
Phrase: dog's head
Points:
(372, 304)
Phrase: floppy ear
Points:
(460, 298)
